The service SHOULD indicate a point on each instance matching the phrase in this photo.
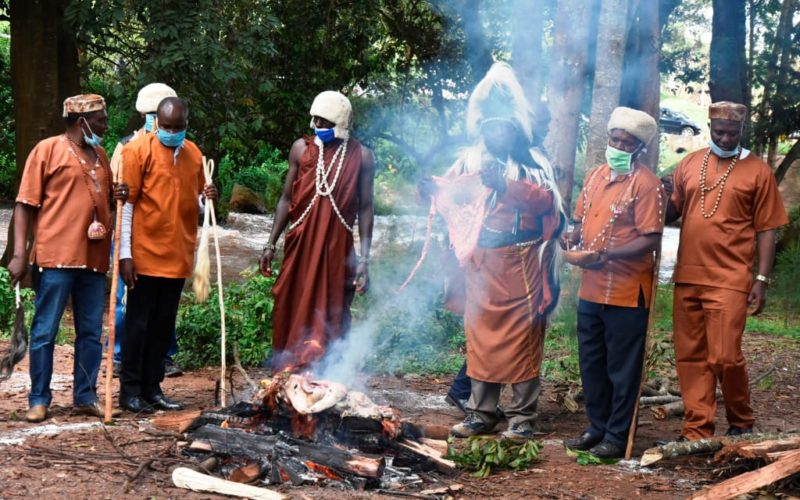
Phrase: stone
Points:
(245, 200)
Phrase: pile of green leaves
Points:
(486, 455)
(248, 316)
(586, 458)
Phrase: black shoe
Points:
(459, 403)
(738, 431)
(162, 402)
(583, 442)
(664, 442)
(171, 369)
(117, 369)
(607, 449)
(135, 404)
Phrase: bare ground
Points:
(76, 457)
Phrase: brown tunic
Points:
(315, 287)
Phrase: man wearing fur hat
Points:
(146, 104)
(505, 247)
(619, 218)
(329, 185)
(65, 193)
(730, 208)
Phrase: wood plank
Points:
(442, 464)
(176, 422)
(789, 464)
(189, 479)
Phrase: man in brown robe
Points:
(328, 186)
(510, 285)
(730, 208)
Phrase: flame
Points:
(304, 426)
(313, 343)
(323, 470)
(284, 476)
(224, 424)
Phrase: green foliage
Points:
(586, 458)
(486, 456)
(8, 166)
(685, 48)
(561, 339)
(787, 277)
(264, 174)
(248, 313)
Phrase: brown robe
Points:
(315, 287)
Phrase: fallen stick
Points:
(711, 445)
(189, 479)
(668, 410)
(756, 450)
(658, 400)
(788, 464)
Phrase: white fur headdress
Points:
(336, 108)
(637, 123)
(499, 95)
(151, 96)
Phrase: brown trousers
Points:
(708, 323)
(485, 396)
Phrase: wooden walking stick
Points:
(650, 319)
(112, 302)
(208, 170)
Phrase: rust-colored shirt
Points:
(614, 213)
(719, 251)
(163, 190)
(68, 196)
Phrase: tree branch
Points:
(787, 162)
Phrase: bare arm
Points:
(18, 266)
(765, 245)
(366, 216)
(282, 210)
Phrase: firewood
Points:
(658, 400)
(177, 422)
(756, 450)
(711, 445)
(442, 464)
(188, 479)
(245, 474)
(788, 464)
(434, 431)
(439, 445)
(668, 410)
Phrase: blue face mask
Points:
(93, 140)
(171, 139)
(325, 134)
(723, 153)
(149, 121)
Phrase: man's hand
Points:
(426, 188)
(17, 268)
(667, 182)
(602, 258)
(362, 278)
(128, 272)
(493, 178)
(569, 239)
(121, 192)
(757, 298)
(210, 192)
(265, 262)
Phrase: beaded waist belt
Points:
(493, 239)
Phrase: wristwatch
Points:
(761, 277)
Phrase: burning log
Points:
(246, 473)
(787, 465)
(188, 479)
(711, 445)
(256, 447)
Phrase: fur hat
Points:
(151, 96)
(83, 103)
(334, 107)
(499, 95)
(726, 110)
(637, 123)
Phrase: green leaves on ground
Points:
(586, 458)
(486, 455)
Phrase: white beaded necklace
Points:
(324, 188)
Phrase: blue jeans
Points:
(87, 291)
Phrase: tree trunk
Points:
(641, 84)
(527, 25)
(44, 71)
(727, 72)
(611, 32)
(479, 54)
(566, 88)
(792, 156)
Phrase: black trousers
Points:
(149, 322)
(611, 342)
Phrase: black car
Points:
(675, 122)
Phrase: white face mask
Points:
(723, 153)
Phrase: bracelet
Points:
(269, 246)
(761, 277)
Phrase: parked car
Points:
(675, 122)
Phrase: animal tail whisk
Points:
(19, 341)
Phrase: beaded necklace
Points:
(324, 187)
(617, 209)
(720, 182)
(97, 230)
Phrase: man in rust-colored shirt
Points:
(730, 207)
(619, 220)
(165, 175)
(65, 193)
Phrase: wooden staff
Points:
(650, 320)
(208, 170)
(112, 303)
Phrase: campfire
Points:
(297, 430)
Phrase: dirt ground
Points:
(76, 457)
